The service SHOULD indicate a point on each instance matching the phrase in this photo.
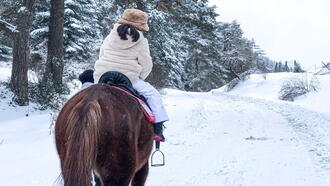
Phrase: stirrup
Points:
(159, 153)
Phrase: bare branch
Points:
(326, 66)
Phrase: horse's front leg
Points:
(140, 177)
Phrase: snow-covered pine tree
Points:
(237, 51)
(80, 34)
(39, 36)
(276, 67)
(286, 67)
(8, 13)
(21, 52)
(201, 39)
(297, 67)
(260, 61)
(5, 48)
(280, 67)
(106, 15)
(166, 45)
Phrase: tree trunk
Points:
(21, 53)
(55, 58)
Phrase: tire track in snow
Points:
(313, 128)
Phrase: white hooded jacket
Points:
(130, 58)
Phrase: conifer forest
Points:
(191, 50)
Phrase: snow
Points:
(40, 30)
(245, 137)
(23, 9)
(317, 69)
(4, 74)
(208, 144)
(28, 152)
(257, 86)
(320, 100)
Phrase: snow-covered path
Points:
(213, 139)
(229, 140)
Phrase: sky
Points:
(285, 29)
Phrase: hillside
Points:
(257, 86)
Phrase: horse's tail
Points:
(82, 134)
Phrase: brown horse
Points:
(103, 130)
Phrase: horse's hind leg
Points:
(117, 175)
(141, 176)
(117, 181)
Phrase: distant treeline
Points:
(280, 67)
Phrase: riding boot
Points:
(158, 130)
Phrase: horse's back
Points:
(122, 116)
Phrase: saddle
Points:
(121, 82)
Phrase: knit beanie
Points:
(136, 18)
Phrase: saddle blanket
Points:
(145, 108)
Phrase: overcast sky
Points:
(285, 29)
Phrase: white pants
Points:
(86, 85)
(153, 98)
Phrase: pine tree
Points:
(107, 13)
(280, 68)
(8, 13)
(80, 31)
(53, 75)
(286, 67)
(5, 48)
(203, 68)
(20, 34)
(166, 45)
(80, 35)
(297, 67)
(238, 52)
(276, 67)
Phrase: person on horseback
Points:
(126, 50)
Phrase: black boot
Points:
(158, 129)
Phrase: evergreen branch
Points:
(7, 27)
(233, 72)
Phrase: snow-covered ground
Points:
(216, 138)
(268, 87)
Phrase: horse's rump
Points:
(102, 129)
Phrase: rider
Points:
(126, 50)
